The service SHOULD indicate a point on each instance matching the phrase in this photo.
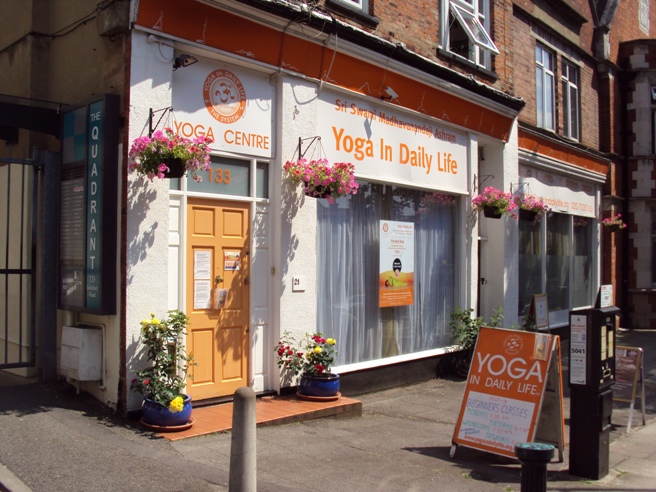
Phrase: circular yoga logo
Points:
(513, 344)
(224, 96)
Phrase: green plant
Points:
(151, 154)
(165, 379)
(529, 323)
(310, 356)
(465, 328)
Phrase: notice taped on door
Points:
(505, 391)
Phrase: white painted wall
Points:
(297, 222)
(147, 232)
(499, 237)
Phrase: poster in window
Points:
(231, 260)
(397, 263)
(202, 282)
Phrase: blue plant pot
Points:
(156, 414)
(321, 386)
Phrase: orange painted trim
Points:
(230, 33)
(539, 145)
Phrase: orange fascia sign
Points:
(505, 389)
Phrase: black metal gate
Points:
(28, 262)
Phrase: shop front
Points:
(247, 255)
(560, 254)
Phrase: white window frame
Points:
(546, 90)
(363, 5)
(475, 22)
(570, 78)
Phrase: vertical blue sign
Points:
(94, 207)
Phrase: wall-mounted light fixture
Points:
(653, 93)
(184, 61)
(389, 93)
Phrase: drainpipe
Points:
(624, 78)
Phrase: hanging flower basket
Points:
(494, 203)
(531, 208)
(168, 155)
(492, 213)
(319, 192)
(614, 223)
(321, 180)
(527, 215)
(176, 167)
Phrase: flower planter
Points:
(176, 167)
(319, 192)
(613, 227)
(320, 386)
(157, 415)
(491, 213)
(527, 215)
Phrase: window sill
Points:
(467, 63)
(353, 13)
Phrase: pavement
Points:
(54, 439)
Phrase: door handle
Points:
(218, 279)
(246, 280)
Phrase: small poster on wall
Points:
(397, 263)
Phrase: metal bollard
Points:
(534, 457)
(243, 459)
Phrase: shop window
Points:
(653, 247)
(262, 180)
(570, 80)
(556, 257)
(348, 273)
(582, 263)
(558, 262)
(230, 176)
(653, 131)
(530, 264)
(465, 29)
(545, 88)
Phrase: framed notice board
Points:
(505, 391)
(628, 374)
(540, 310)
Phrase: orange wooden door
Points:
(217, 258)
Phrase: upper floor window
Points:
(363, 5)
(653, 131)
(545, 88)
(571, 118)
(465, 27)
(653, 246)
